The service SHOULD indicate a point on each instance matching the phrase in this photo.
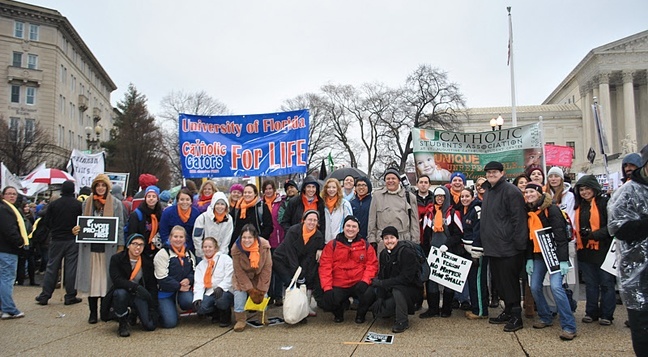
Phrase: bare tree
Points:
(336, 101)
(175, 103)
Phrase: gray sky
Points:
(252, 55)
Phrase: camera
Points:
(405, 181)
(584, 232)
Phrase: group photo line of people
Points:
(209, 252)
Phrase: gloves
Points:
(196, 305)
(218, 292)
(468, 248)
(443, 248)
(361, 287)
(377, 283)
(475, 254)
(529, 266)
(142, 293)
(564, 268)
(328, 299)
(256, 295)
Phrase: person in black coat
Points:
(309, 198)
(134, 286)
(250, 209)
(145, 220)
(397, 286)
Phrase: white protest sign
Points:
(379, 338)
(610, 263)
(9, 179)
(85, 167)
(448, 269)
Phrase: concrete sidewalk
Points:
(57, 329)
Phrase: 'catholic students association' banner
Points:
(239, 145)
(438, 153)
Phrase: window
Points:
(15, 94)
(19, 29)
(32, 61)
(14, 127)
(30, 97)
(550, 143)
(17, 59)
(70, 139)
(80, 117)
(30, 128)
(33, 32)
(572, 144)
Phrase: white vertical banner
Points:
(610, 263)
(85, 167)
(9, 179)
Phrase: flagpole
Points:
(513, 111)
(602, 138)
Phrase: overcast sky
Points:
(252, 55)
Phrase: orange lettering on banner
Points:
(457, 158)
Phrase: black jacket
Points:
(61, 217)
(551, 216)
(10, 239)
(120, 270)
(263, 224)
(143, 227)
(398, 270)
(583, 221)
(293, 253)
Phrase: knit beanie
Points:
(236, 187)
(101, 178)
(310, 211)
(556, 171)
(458, 174)
(392, 171)
(530, 170)
(534, 186)
(67, 189)
(153, 189)
(134, 236)
(366, 181)
(389, 230)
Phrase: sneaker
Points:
(429, 313)
(542, 324)
(605, 322)
(588, 319)
(567, 336)
(513, 324)
(8, 316)
(40, 300)
(73, 301)
(471, 316)
(501, 319)
(400, 327)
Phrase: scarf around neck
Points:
(535, 224)
(181, 253)
(307, 234)
(136, 269)
(269, 201)
(184, 215)
(243, 206)
(331, 202)
(312, 205)
(209, 273)
(438, 219)
(252, 253)
(21, 223)
(595, 225)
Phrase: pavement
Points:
(57, 329)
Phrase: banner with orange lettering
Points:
(439, 153)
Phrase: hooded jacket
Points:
(583, 221)
(550, 216)
(295, 207)
(344, 264)
(205, 226)
(471, 222)
(430, 237)
(277, 235)
(10, 239)
(397, 272)
(634, 159)
(61, 214)
(293, 253)
(245, 277)
(360, 207)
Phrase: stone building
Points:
(52, 79)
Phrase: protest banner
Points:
(610, 263)
(448, 269)
(438, 153)
(85, 167)
(119, 179)
(556, 155)
(97, 229)
(244, 145)
(9, 179)
(548, 248)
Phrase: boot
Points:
(124, 329)
(494, 300)
(448, 302)
(515, 323)
(529, 304)
(241, 321)
(433, 305)
(92, 304)
(311, 312)
(225, 317)
(264, 318)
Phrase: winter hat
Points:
(365, 180)
(310, 180)
(67, 189)
(530, 170)
(101, 178)
(290, 183)
(389, 230)
(134, 236)
(85, 190)
(556, 171)
(494, 165)
(588, 181)
(534, 186)
(392, 171)
(633, 158)
(351, 218)
(460, 175)
(644, 156)
(153, 189)
(236, 187)
(165, 196)
(117, 192)
(146, 180)
(439, 191)
(310, 211)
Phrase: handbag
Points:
(295, 306)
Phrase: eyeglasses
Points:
(361, 185)
(137, 245)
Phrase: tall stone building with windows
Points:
(52, 79)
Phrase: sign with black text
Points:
(448, 269)
(610, 263)
(546, 241)
(97, 229)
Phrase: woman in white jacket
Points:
(212, 284)
(215, 222)
(336, 208)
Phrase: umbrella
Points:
(340, 174)
(49, 176)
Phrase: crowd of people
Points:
(210, 252)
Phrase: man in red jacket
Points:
(347, 266)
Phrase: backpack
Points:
(140, 217)
(423, 274)
(569, 227)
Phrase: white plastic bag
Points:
(295, 306)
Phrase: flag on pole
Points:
(322, 172)
(603, 143)
(330, 162)
(510, 40)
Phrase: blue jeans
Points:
(209, 304)
(240, 297)
(167, 307)
(598, 281)
(8, 266)
(122, 300)
(567, 320)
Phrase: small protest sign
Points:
(448, 269)
(546, 242)
(97, 229)
(610, 263)
(379, 338)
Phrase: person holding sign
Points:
(92, 276)
(252, 272)
(553, 245)
(174, 271)
(593, 242)
(213, 283)
(134, 286)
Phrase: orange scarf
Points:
(269, 201)
(253, 252)
(534, 224)
(331, 202)
(204, 200)
(209, 272)
(306, 234)
(595, 225)
(180, 253)
(218, 218)
(309, 205)
(456, 196)
(184, 215)
(438, 219)
(154, 230)
(465, 210)
(101, 199)
(243, 205)
(136, 269)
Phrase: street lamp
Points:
(93, 143)
(497, 122)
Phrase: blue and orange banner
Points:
(439, 153)
(244, 145)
